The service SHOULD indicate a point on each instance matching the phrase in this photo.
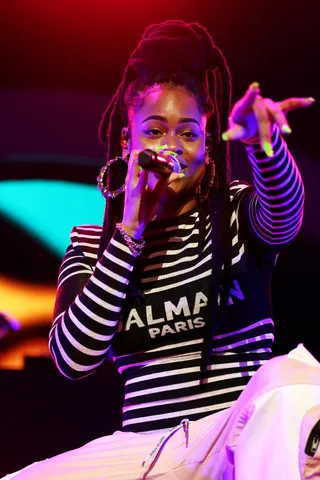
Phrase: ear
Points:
(125, 141)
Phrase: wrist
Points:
(252, 141)
(255, 139)
(135, 245)
(133, 231)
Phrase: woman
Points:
(177, 280)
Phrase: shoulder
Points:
(86, 238)
(82, 253)
(237, 186)
(238, 190)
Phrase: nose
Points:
(174, 144)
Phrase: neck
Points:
(173, 207)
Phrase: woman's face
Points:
(171, 116)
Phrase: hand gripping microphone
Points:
(155, 162)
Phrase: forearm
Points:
(276, 210)
(82, 333)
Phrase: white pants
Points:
(263, 436)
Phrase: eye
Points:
(153, 132)
(189, 135)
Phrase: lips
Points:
(183, 164)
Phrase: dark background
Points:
(60, 62)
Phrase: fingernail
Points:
(160, 147)
(181, 175)
(255, 85)
(286, 129)
(224, 136)
(172, 153)
(311, 99)
(267, 147)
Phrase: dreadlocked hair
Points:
(175, 53)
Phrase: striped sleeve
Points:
(276, 209)
(88, 305)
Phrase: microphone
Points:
(155, 162)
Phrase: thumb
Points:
(236, 132)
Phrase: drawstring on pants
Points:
(156, 451)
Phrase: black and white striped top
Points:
(156, 342)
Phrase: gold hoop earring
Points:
(100, 179)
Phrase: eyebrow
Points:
(163, 119)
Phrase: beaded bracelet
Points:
(135, 246)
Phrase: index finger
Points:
(136, 176)
(263, 126)
(133, 165)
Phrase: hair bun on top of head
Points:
(173, 46)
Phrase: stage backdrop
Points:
(61, 60)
